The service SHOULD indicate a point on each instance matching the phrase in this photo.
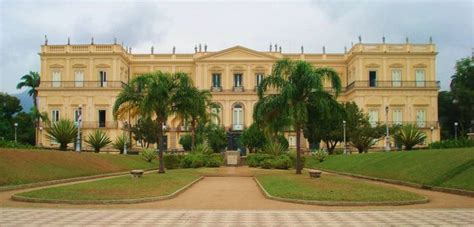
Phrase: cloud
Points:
(141, 24)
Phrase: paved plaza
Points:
(49, 217)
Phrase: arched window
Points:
(238, 117)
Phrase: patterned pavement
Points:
(102, 217)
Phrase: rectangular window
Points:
(79, 78)
(373, 117)
(54, 115)
(259, 79)
(102, 119)
(216, 114)
(396, 78)
(237, 80)
(103, 78)
(421, 118)
(292, 141)
(216, 80)
(397, 116)
(56, 79)
(420, 77)
(372, 78)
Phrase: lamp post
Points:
(41, 136)
(125, 125)
(345, 144)
(16, 126)
(387, 139)
(79, 119)
(431, 129)
(456, 130)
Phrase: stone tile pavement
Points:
(103, 217)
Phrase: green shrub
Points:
(201, 149)
(148, 154)
(119, 143)
(172, 161)
(215, 160)
(216, 137)
(409, 135)
(292, 156)
(283, 142)
(281, 162)
(186, 141)
(320, 155)
(267, 163)
(274, 149)
(63, 132)
(12, 144)
(256, 159)
(452, 143)
(98, 139)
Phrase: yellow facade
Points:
(401, 77)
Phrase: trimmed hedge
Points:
(197, 160)
(268, 161)
(172, 161)
(452, 144)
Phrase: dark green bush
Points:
(281, 162)
(452, 143)
(186, 142)
(172, 161)
(256, 159)
(267, 163)
(215, 160)
(12, 144)
(292, 155)
(197, 160)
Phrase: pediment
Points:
(237, 53)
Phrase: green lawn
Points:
(28, 166)
(125, 187)
(286, 184)
(453, 168)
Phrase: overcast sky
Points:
(255, 25)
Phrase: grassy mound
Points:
(150, 185)
(28, 166)
(452, 168)
(286, 184)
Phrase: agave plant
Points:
(148, 154)
(63, 132)
(274, 148)
(201, 149)
(409, 135)
(98, 139)
(119, 143)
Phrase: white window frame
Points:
(56, 78)
(216, 80)
(420, 78)
(396, 77)
(259, 78)
(79, 78)
(102, 78)
(397, 116)
(55, 115)
(238, 115)
(216, 111)
(292, 141)
(420, 118)
(373, 117)
(238, 82)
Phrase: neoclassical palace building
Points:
(391, 82)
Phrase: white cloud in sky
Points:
(140, 24)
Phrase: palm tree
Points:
(298, 84)
(191, 104)
(150, 95)
(31, 80)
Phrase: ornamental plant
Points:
(62, 132)
(148, 154)
(98, 139)
(409, 135)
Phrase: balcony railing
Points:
(393, 84)
(216, 88)
(82, 84)
(90, 124)
(238, 88)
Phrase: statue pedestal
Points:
(470, 135)
(232, 158)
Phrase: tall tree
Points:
(151, 95)
(462, 88)
(297, 84)
(32, 81)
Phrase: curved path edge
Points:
(110, 201)
(64, 180)
(404, 183)
(338, 203)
